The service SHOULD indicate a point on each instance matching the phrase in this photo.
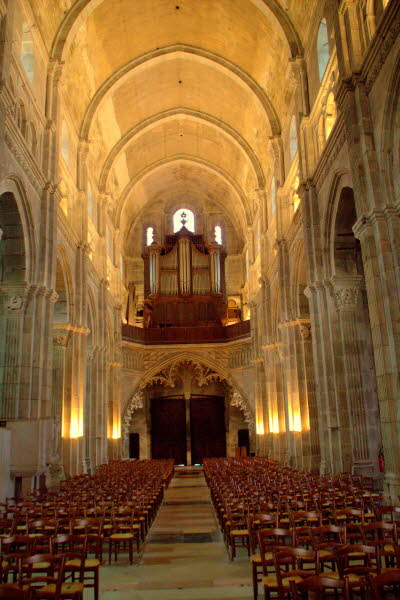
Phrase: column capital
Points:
(346, 291)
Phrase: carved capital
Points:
(346, 291)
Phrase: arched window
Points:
(273, 195)
(65, 145)
(218, 234)
(293, 138)
(89, 194)
(322, 48)
(27, 52)
(149, 236)
(183, 216)
(330, 114)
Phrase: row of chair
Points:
(263, 507)
(62, 535)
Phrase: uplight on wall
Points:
(260, 428)
(274, 424)
(295, 422)
(116, 432)
(75, 428)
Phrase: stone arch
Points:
(63, 309)
(205, 370)
(299, 283)
(195, 53)
(226, 129)
(15, 198)
(390, 141)
(184, 157)
(82, 8)
(340, 179)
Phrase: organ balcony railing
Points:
(186, 335)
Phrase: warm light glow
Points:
(260, 428)
(295, 422)
(75, 428)
(274, 424)
(116, 432)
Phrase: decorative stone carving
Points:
(305, 331)
(237, 400)
(346, 298)
(135, 403)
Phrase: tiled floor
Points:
(184, 556)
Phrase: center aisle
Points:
(184, 556)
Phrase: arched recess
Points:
(202, 373)
(13, 302)
(244, 203)
(390, 140)
(15, 204)
(82, 9)
(200, 54)
(355, 378)
(224, 128)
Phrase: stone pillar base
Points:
(391, 488)
(366, 468)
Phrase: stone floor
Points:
(184, 556)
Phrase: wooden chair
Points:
(237, 533)
(384, 536)
(327, 539)
(288, 566)
(349, 558)
(379, 584)
(254, 524)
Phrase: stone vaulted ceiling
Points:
(176, 96)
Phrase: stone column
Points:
(346, 293)
(315, 459)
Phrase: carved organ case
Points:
(184, 282)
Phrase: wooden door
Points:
(207, 423)
(168, 429)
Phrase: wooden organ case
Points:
(184, 282)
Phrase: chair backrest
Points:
(391, 577)
(10, 592)
(319, 587)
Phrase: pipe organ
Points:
(184, 282)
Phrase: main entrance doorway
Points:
(179, 426)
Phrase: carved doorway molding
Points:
(184, 374)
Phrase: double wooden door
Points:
(170, 427)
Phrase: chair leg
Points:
(255, 582)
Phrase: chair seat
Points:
(352, 577)
(239, 532)
(89, 563)
(388, 548)
(325, 553)
(256, 558)
(73, 587)
(121, 536)
(271, 580)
